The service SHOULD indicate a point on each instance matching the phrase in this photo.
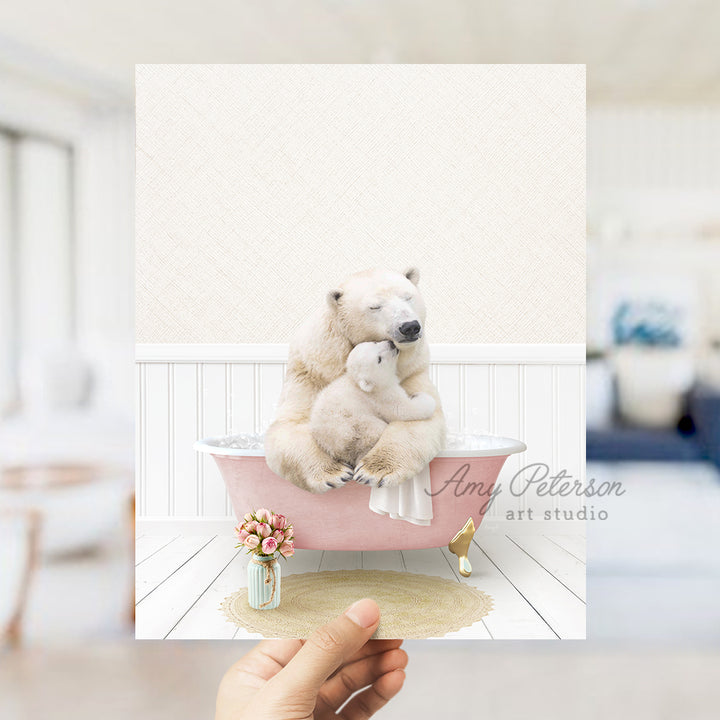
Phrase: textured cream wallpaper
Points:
(261, 186)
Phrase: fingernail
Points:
(364, 613)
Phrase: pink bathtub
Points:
(461, 482)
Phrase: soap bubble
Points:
(241, 441)
(470, 441)
(455, 441)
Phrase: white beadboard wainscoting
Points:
(535, 393)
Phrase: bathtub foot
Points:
(460, 544)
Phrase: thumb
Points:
(328, 648)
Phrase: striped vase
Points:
(263, 582)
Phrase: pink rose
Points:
(278, 521)
(251, 541)
(279, 535)
(263, 530)
(242, 535)
(289, 532)
(269, 545)
(248, 517)
(287, 549)
(250, 526)
(263, 515)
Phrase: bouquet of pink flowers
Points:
(264, 532)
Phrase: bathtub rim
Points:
(509, 446)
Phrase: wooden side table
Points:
(28, 525)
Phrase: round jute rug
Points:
(411, 606)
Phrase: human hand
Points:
(312, 679)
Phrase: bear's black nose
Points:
(410, 329)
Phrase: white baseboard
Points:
(184, 526)
(440, 353)
(225, 526)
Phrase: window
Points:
(37, 264)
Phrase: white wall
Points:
(652, 149)
(260, 187)
(534, 393)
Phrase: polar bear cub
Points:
(350, 414)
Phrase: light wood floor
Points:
(537, 583)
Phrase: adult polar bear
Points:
(369, 306)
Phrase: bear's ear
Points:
(366, 385)
(413, 275)
(333, 298)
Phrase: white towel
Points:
(407, 501)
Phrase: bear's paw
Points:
(382, 472)
(333, 475)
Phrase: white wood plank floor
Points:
(537, 583)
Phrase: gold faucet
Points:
(460, 544)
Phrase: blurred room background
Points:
(653, 368)
(66, 339)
